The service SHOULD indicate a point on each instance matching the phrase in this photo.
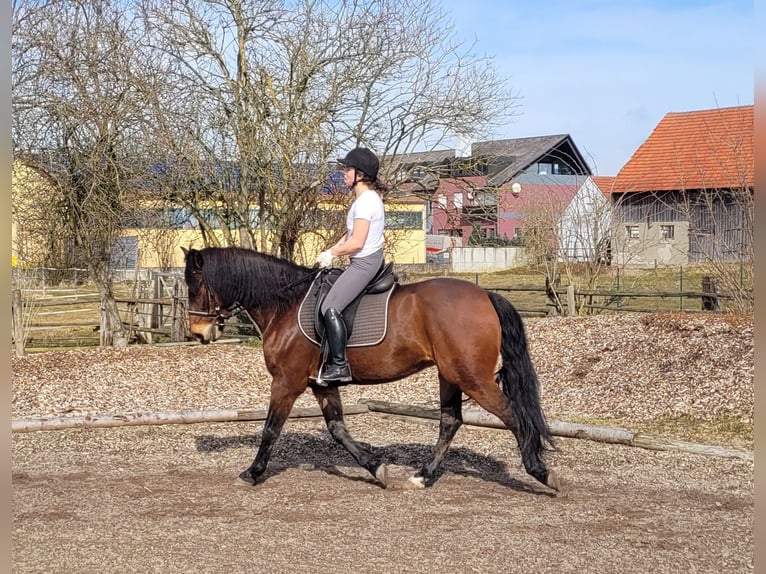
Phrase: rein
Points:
(219, 314)
(236, 308)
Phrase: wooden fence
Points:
(155, 311)
(571, 301)
(152, 311)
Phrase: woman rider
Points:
(363, 243)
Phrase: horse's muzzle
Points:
(200, 339)
(206, 333)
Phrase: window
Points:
(457, 200)
(667, 232)
(125, 252)
(404, 220)
(632, 231)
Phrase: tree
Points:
(721, 239)
(78, 118)
(273, 92)
(584, 233)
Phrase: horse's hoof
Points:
(553, 481)
(415, 482)
(244, 479)
(381, 475)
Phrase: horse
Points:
(474, 337)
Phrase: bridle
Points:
(215, 311)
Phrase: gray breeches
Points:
(352, 281)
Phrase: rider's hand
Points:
(325, 259)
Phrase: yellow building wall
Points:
(162, 248)
(30, 193)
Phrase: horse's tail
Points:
(518, 381)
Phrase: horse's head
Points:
(206, 316)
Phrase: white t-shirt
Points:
(368, 206)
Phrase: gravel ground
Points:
(627, 368)
(161, 498)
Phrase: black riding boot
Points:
(336, 368)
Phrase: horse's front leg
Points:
(280, 405)
(332, 409)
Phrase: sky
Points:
(606, 71)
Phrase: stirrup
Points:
(335, 373)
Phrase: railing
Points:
(570, 301)
(156, 313)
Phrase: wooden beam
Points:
(569, 430)
(163, 418)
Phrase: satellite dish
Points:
(516, 188)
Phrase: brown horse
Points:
(475, 338)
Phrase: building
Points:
(155, 230)
(686, 194)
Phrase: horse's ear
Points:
(186, 251)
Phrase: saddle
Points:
(368, 309)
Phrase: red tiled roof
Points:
(604, 183)
(707, 149)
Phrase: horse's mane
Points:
(254, 279)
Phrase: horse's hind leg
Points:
(491, 399)
(332, 409)
(451, 419)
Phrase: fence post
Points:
(178, 326)
(18, 323)
(710, 285)
(156, 308)
(571, 300)
(552, 299)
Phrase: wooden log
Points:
(613, 435)
(163, 418)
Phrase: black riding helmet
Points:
(362, 159)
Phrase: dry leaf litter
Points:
(627, 368)
(160, 499)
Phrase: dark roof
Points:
(419, 158)
(519, 153)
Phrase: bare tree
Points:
(40, 238)
(584, 235)
(721, 239)
(541, 238)
(273, 92)
(78, 118)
